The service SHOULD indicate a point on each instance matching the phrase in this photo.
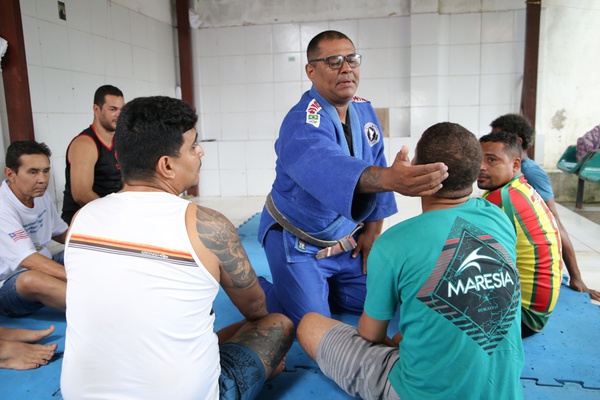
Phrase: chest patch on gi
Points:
(312, 114)
(372, 133)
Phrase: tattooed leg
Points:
(269, 337)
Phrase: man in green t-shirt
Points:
(451, 271)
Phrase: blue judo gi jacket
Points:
(316, 176)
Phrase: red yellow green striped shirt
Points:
(539, 249)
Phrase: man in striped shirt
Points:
(538, 241)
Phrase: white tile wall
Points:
(234, 183)
(467, 116)
(47, 10)
(28, 7)
(424, 29)
(54, 44)
(138, 27)
(424, 60)
(400, 62)
(259, 68)
(230, 41)
(210, 183)
(261, 125)
(465, 28)
(260, 154)
(232, 155)
(497, 58)
(59, 91)
(376, 91)
(36, 79)
(233, 98)
(286, 94)
(463, 90)
(33, 52)
(209, 70)
(349, 27)
(207, 43)
(376, 63)
(496, 89)
(286, 38)
(234, 126)
(423, 91)
(373, 33)
(400, 122)
(465, 59)
(497, 27)
(425, 68)
(287, 67)
(100, 18)
(81, 46)
(232, 69)
(258, 39)
(78, 15)
(120, 23)
(260, 181)
(101, 42)
(399, 95)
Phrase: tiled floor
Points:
(584, 234)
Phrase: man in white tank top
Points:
(143, 269)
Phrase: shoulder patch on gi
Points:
(372, 133)
(312, 113)
(357, 99)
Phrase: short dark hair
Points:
(312, 51)
(517, 124)
(456, 147)
(17, 149)
(510, 140)
(147, 129)
(103, 91)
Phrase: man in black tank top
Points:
(92, 170)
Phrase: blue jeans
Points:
(12, 304)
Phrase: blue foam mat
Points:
(559, 362)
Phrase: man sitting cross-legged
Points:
(30, 276)
(144, 267)
(540, 181)
(538, 241)
(451, 271)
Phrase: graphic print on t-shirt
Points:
(474, 285)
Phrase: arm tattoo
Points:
(370, 181)
(220, 237)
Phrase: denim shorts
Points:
(12, 304)
(242, 372)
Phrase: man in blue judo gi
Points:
(332, 189)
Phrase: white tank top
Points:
(139, 304)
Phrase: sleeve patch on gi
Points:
(312, 113)
(372, 133)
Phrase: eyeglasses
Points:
(336, 62)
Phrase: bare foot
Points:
(24, 335)
(18, 355)
(278, 369)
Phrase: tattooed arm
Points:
(403, 178)
(237, 277)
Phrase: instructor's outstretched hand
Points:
(403, 177)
